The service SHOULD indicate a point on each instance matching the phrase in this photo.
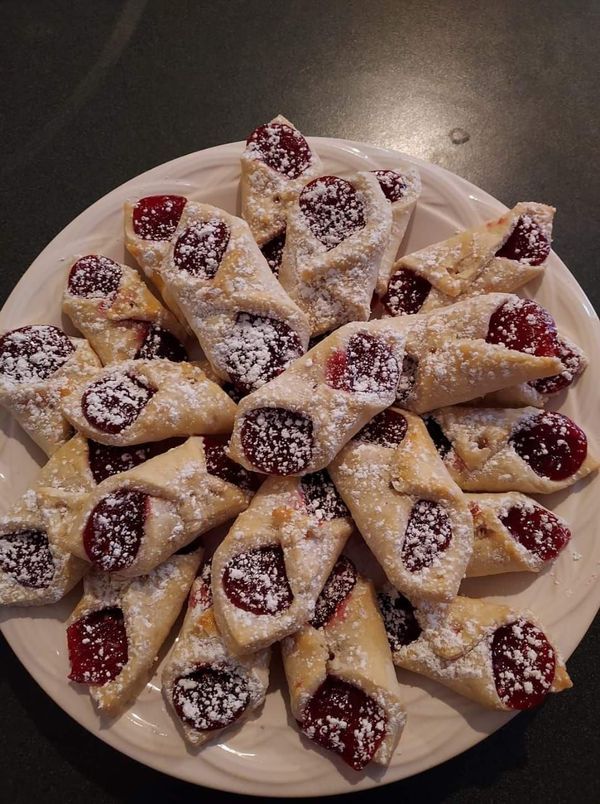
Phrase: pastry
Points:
(513, 533)
(38, 366)
(299, 421)
(276, 164)
(343, 689)
(133, 521)
(147, 400)
(337, 233)
(410, 512)
(500, 255)
(494, 654)
(510, 449)
(273, 563)
(402, 189)
(207, 688)
(117, 629)
(247, 326)
(111, 305)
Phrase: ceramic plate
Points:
(267, 756)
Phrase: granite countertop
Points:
(505, 94)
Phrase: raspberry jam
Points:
(273, 252)
(26, 557)
(257, 582)
(538, 530)
(333, 210)
(553, 445)
(573, 363)
(33, 353)
(338, 586)
(105, 461)
(525, 326)
(219, 464)
(406, 292)
(437, 435)
(399, 619)
(366, 366)
(387, 429)
(343, 719)
(156, 217)
(258, 349)
(428, 534)
(200, 248)
(321, 497)
(94, 277)
(115, 528)
(393, 184)
(523, 663)
(159, 344)
(97, 646)
(527, 243)
(211, 697)
(114, 402)
(281, 147)
(277, 441)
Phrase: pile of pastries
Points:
(342, 389)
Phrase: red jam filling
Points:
(437, 435)
(27, 558)
(538, 530)
(277, 441)
(113, 403)
(160, 344)
(200, 248)
(527, 243)
(273, 252)
(552, 445)
(573, 363)
(257, 582)
(218, 463)
(258, 349)
(393, 184)
(201, 594)
(338, 586)
(211, 698)
(428, 534)
(387, 429)
(105, 460)
(94, 277)
(343, 719)
(523, 663)
(115, 528)
(332, 209)
(281, 147)
(33, 353)
(156, 217)
(399, 619)
(321, 497)
(525, 326)
(406, 292)
(366, 366)
(97, 646)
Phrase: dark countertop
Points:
(97, 92)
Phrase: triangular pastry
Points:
(111, 305)
(410, 512)
(137, 401)
(513, 533)
(39, 363)
(501, 255)
(271, 567)
(208, 688)
(343, 689)
(337, 233)
(117, 629)
(494, 654)
(510, 449)
(133, 521)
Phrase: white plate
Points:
(267, 756)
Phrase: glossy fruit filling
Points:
(277, 441)
(367, 366)
(160, 344)
(572, 361)
(281, 147)
(399, 619)
(527, 243)
(333, 210)
(218, 463)
(97, 646)
(200, 248)
(105, 460)
(156, 217)
(26, 557)
(387, 429)
(211, 698)
(525, 326)
(273, 252)
(338, 586)
(524, 664)
(428, 534)
(393, 184)
(406, 292)
(114, 402)
(321, 497)
(553, 445)
(115, 528)
(94, 277)
(536, 529)
(256, 581)
(33, 353)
